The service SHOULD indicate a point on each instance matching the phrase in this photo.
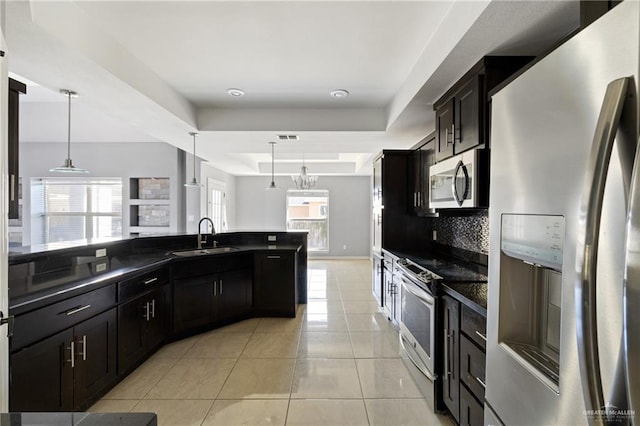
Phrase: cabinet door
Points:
(95, 356)
(158, 318)
(41, 376)
(274, 284)
(444, 131)
(468, 131)
(235, 295)
(427, 159)
(13, 139)
(377, 181)
(376, 279)
(414, 188)
(471, 411)
(450, 376)
(131, 324)
(193, 302)
(377, 229)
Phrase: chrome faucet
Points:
(213, 231)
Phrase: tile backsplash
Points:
(469, 231)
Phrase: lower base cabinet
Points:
(275, 288)
(61, 372)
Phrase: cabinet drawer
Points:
(474, 326)
(471, 411)
(141, 283)
(472, 367)
(51, 319)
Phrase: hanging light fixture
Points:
(272, 185)
(68, 166)
(194, 183)
(304, 181)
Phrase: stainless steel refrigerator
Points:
(563, 324)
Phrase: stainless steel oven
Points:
(417, 328)
(454, 182)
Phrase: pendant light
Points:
(194, 183)
(68, 166)
(304, 181)
(272, 185)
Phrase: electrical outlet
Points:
(101, 267)
(344, 247)
(101, 252)
(271, 238)
(435, 235)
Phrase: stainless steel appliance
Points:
(454, 181)
(417, 328)
(559, 350)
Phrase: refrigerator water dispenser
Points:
(531, 292)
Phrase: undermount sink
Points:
(204, 251)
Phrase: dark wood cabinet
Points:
(142, 326)
(95, 353)
(464, 361)
(420, 160)
(64, 372)
(274, 284)
(13, 138)
(210, 291)
(451, 369)
(47, 364)
(462, 113)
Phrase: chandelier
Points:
(303, 180)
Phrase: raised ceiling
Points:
(156, 70)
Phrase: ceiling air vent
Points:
(288, 137)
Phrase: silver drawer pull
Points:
(72, 348)
(84, 347)
(76, 310)
(481, 382)
(482, 336)
(273, 257)
(151, 280)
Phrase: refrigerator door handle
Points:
(587, 247)
(632, 290)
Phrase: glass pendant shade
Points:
(67, 166)
(194, 182)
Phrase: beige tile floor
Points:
(336, 363)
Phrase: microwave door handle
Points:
(587, 247)
(632, 289)
(454, 189)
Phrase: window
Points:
(68, 209)
(217, 205)
(309, 211)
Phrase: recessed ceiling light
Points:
(236, 93)
(340, 93)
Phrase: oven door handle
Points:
(419, 364)
(421, 294)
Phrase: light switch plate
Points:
(101, 267)
(271, 238)
(101, 252)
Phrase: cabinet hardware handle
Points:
(72, 348)
(273, 257)
(153, 308)
(379, 219)
(84, 347)
(480, 381)
(151, 280)
(146, 311)
(12, 191)
(446, 355)
(215, 287)
(77, 309)
(453, 133)
(415, 199)
(220, 287)
(482, 336)
(419, 199)
(446, 137)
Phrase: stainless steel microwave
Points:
(454, 182)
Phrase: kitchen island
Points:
(87, 316)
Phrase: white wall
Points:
(349, 210)
(125, 160)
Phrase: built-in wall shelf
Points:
(149, 205)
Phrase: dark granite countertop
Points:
(30, 290)
(78, 419)
(463, 281)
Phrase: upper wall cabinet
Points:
(15, 89)
(462, 113)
